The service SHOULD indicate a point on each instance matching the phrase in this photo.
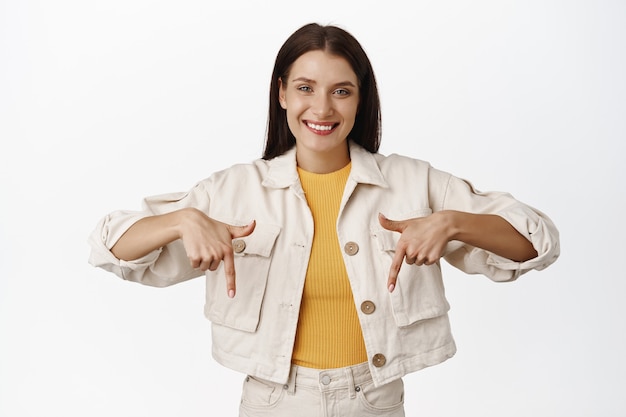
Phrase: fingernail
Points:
(231, 293)
(391, 287)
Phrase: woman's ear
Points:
(281, 94)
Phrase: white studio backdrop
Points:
(104, 102)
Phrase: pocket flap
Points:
(260, 242)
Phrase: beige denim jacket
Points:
(253, 333)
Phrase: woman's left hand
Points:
(422, 241)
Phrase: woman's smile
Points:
(321, 128)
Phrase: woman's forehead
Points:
(322, 67)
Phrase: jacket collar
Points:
(282, 171)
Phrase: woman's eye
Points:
(305, 88)
(342, 92)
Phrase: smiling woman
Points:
(303, 250)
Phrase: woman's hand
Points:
(422, 241)
(208, 242)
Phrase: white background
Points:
(104, 102)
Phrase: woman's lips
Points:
(321, 128)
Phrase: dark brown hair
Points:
(313, 37)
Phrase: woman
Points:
(322, 258)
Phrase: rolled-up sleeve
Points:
(531, 223)
(162, 267)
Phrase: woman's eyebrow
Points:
(304, 79)
(310, 81)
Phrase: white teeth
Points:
(319, 127)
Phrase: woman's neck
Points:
(322, 163)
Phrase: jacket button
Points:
(351, 248)
(239, 245)
(379, 360)
(368, 307)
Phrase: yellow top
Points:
(329, 333)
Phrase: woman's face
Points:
(321, 97)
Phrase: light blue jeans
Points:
(341, 392)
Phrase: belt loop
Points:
(350, 378)
(290, 386)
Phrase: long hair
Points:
(313, 37)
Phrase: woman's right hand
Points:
(208, 242)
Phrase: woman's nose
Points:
(322, 106)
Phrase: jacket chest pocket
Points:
(419, 293)
(252, 262)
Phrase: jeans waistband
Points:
(349, 377)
